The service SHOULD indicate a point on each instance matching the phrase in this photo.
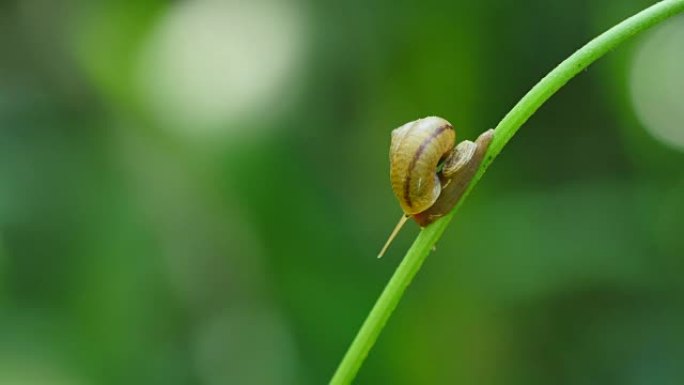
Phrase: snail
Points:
(428, 172)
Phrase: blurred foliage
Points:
(194, 193)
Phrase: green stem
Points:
(508, 126)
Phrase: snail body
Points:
(428, 172)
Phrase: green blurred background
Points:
(194, 192)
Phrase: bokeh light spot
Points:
(249, 346)
(657, 83)
(208, 63)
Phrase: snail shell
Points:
(416, 149)
(424, 192)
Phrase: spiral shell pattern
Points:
(416, 149)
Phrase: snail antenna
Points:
(398, 227)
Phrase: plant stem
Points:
(505, 130)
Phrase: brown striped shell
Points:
(416, 150)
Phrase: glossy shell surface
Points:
(416, 149)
